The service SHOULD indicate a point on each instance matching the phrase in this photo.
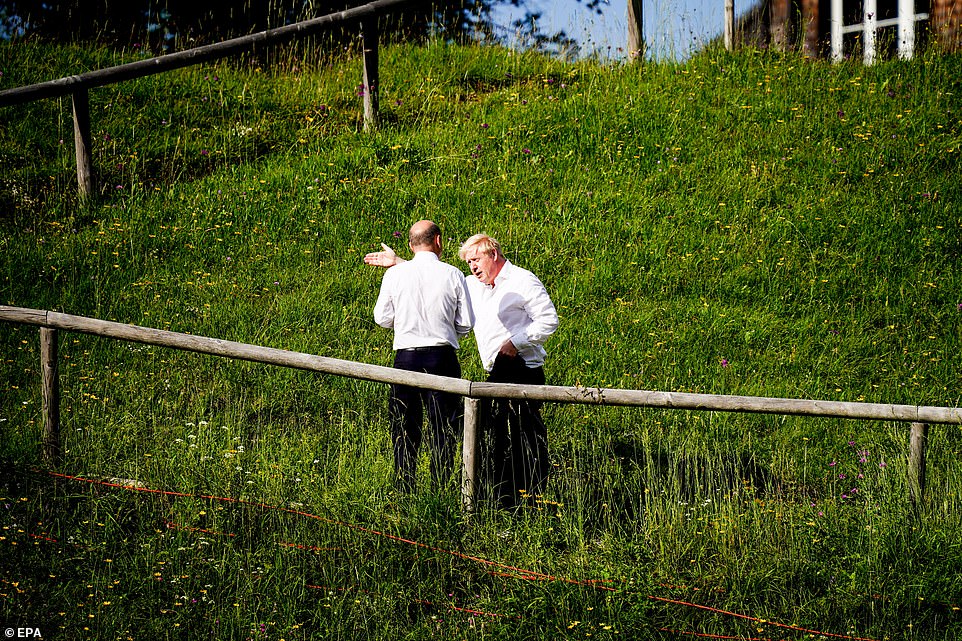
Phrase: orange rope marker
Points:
(512, 572)
(758, 620)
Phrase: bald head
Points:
(425, 235)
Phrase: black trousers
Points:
(406, 414)
(514, 439)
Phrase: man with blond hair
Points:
(427, 304)
(513, 317)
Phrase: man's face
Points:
(485, 267)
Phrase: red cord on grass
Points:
(758, 620)
(529, 575)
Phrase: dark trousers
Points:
(514, 439)
(406, 414)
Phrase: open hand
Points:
(384, 258)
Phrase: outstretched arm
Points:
(384, 258)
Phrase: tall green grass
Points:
(750, 223)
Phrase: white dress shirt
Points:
(516, 307)
(425, 301)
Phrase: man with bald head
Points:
(514, 316)
(426, 303)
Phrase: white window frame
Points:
(871, 24)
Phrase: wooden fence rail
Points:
(78, 85)
(50, 322)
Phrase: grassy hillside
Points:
(749, 223)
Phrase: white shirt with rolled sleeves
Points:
(516, 307)
(425, 301)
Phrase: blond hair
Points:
(483, 243)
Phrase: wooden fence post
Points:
(371, 83)
(51, 395)
(81, 143)
(810, 16)
(729, 24)
(469, 478)
(780, 18)
(920, 434)
(636, 30)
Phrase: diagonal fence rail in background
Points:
(51, 322)
(78, 85)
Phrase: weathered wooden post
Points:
(81, 143)
(51, 395)
(920, 435)
(810, 17)
(780, 19)
(371, 83)
(729, 25)
(469, 478)
(636, 30)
